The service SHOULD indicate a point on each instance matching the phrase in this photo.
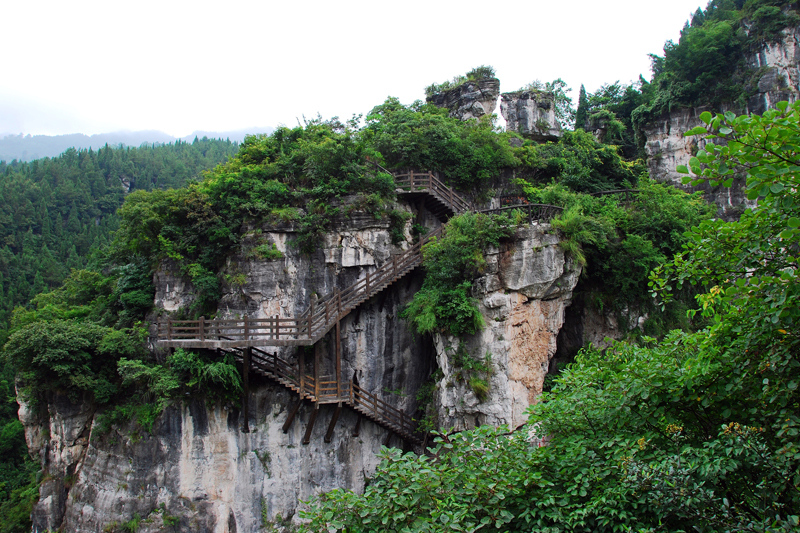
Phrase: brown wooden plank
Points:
(287, 424)
(310, 426)
(332, 424)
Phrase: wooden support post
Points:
(292, 414)
(202, 328)
(246, 328)
(310, 318)
(332, 424)
(246, 388)
(367, 284)
(316, 374)
(169, 328)
(310, 426)
(338, 363)
(301, 372)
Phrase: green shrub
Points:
(444, 303)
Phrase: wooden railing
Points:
(326, 389)
(427, 182)
(533, 212)
(381, 412)
(326, 312)
(626, 192)
(306, 329)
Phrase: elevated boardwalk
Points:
(245, 338)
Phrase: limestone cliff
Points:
(472, 99)
(198, 471)
(666, 147)
(523, 295)
(530, 113)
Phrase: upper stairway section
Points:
(439, 198)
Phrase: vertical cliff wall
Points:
(530, 113)
(472, 99)
(523, 296)
(666, 147)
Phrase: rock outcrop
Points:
(666, 147)
(531, 114)
(471, 99)
(523, 296)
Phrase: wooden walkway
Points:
(327, 389)
(244, 337)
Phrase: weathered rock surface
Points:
(523, 295)
(472, 99)
(197, 471)
(530, 113)
(666, 146)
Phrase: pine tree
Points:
(582, 114)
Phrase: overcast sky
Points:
(86, 66)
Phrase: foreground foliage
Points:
(696, 431)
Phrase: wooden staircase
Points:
(327, 390)
(243, 337)
(439, 199)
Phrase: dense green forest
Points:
(53, 212)
(697, 426)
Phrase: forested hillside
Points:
(53, 212)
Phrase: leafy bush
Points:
(478, 73)
(70, 356)
(423, 137)
(444, 303)
(577, 161)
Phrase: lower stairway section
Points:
(322, 390)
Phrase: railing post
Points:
(246, 328)
(316, 374)
(394, 265)
(368, 284)
(246, 389)
(301, 365)
(310, 318)
(338, 304)
(277, 328)
(202, 327)
(169, 328)
(338, 362)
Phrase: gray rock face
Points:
(197, 471)
(523, 295)
(530, 113)
(472, 99)
(666, 146)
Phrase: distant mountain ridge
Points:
(29, 147)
